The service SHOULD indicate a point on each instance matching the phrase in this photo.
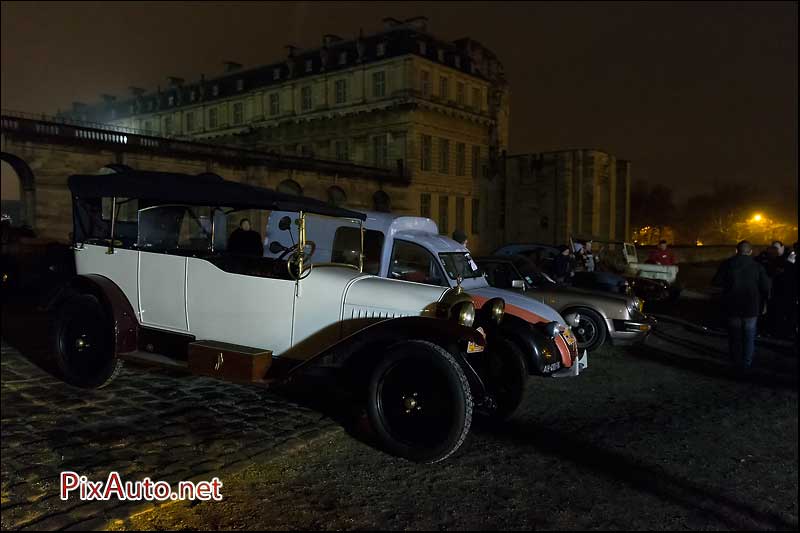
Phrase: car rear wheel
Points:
(83, 339)
(591, 329)
(419, 402)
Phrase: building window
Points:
(342, 58)
(150, 105)
(290, 187)
(382, 202)
(305, 98)
(440, 53)
(423, 48)
(148, 127)
(306, 150)
(274, 104)
(460, 213)
(425, 82)
(192, 95)
(380, 50)
(379, 151)
(341, 151)
(457, 61)
(189, 121)
(476, 161)
(425, 155)
(239, 85)
(168, 125)
(341, 91)
(461, 159)
(425, 205)
(460, 93)
(238, 113)
(276, 73)
(215, 90)
(476, 98)
(476, 210)
(113, 114)
(309, 65)
(444, 208)
(336, 196)
(444, 89)
(379, 84)
(171, 100)
(444, 156)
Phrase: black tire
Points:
(506, 378)
(591, 330)
(83, 343)
(419, 402)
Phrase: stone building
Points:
(582, 193)
(432, 111)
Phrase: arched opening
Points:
(336, 196)
(18, 191)
(290, 187)
(382, 202)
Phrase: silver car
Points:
(595, 316)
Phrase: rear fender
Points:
(114, 302)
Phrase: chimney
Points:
(231, 66)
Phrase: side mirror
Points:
(275, 247)
(518, 284)
(285, 223)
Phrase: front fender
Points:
(543, 355)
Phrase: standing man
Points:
(245, 241)
(745, 288)
(460, 237)
(661, 255)
(563, 265)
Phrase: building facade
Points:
(432, 111)
(553, 196)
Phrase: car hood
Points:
(520, 301)
(587, 294)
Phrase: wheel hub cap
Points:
(411, 403)
(81, 343)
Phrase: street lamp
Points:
(757, 217)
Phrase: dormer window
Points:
(192, 95)
(440, 53)
(215, 90)
(380, 50)
(309, 65)
(239, 85)
(423, 48)
(171, 100)
(276, 73)
(343, 58)
(458, 61)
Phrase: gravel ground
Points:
(639, 441)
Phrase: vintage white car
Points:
(157, 283)
(411, 249)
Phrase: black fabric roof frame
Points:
(204, 189)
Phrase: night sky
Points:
(690, 92)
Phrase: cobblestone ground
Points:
(147, 423)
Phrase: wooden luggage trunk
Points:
(230, 362)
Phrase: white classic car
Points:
(411, 249)
(156, 282)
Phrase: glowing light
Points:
(699, 242)
(757, 217)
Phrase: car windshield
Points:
(460, 264)
(533, 275)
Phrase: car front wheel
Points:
(507, 376)
(419, 402)
(83, 341)
(590, 331)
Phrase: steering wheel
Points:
(292, 250)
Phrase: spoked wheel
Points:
(506, 379)
(419, 402)
(84, 343)
(590, 331)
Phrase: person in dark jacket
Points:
(244, 241)
(745, 288)
(563, 265)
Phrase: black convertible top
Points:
(203, 189)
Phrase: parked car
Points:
(410, 249)
(612, 279)
(156, 283)
(599, 316)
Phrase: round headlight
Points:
(466, 314)
(496, 308)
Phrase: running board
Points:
(154, 358)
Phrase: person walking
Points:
(661, 255)
(745, 288)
